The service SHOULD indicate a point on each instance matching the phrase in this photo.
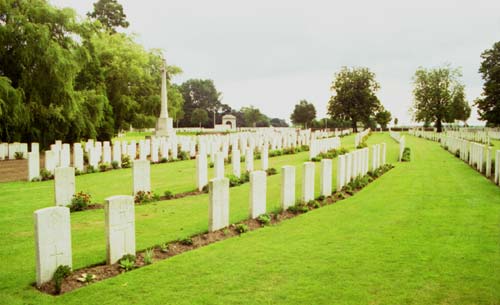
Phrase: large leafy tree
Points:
(438, 93)
(303, 113)
(110, 14)
(199, 116)
(199, 93)
(277, 122)
(354, 96)
(383, 118)
(251, 115)
(488, 106)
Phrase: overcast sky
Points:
(271, 54)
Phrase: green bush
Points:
(264, 219)
(90, 169)
(145, 197)
(313, 204)
(186, 241)
(127, 262)
(211, 164)
(115, 164)
(182, 155)
(406, 155)
(126, 161)
(18, 155)
(80, 202)
(103, 167)
(45, 174)
(234, 181)
(163, 160)
(60, 274)
(271, 171)
(299, 207)
(168, 194)
(241, 228)
(148, 256)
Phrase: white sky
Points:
(273, 53)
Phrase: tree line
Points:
(71, 79)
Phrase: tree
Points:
(110, 14)
(199, 116)
(276, 122)
(251, 115)
(436, 92)
(354, 96)
(303, 113)
(396, 121)
(383, 118)
(488, 106)
(199, 93)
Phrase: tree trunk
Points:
(439, 125)
(354, 125)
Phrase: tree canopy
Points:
(383, 118)
(200, 93)
(303, 113)
(354, 96)
(199, 116)
(439, 96)
(488, 106)
(110, 14)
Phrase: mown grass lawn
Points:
(427, 232)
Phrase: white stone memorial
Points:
(258, 191)
(218, 207)
(287, 186)
(64, 183)
(52, 242)
(120, 227)
(308, 181)
(326, 177)
(142, 176)
(201, 171)
(236, 163)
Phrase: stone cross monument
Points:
(164, 125)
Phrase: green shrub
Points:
(86, 278)
(211, 164)
(90, 169)
(164, 247)
(271, 171)
(45, 174)
(60, 274)
(18, 155)
(126, 161)
(163, 160)
(299, 207)
(234, 181)
(186, 241)
(103, 167)
(320, 198)
(264, 219)
(245, 177)
(148, 257)
(313, 204)
(80, 202)
(145, 197)
(304, 148)
(127, 264)
(406, 155)
(115, 164)
(182, 155)
(168, 194)
(205, 189)
(316, 159)
(241, 228)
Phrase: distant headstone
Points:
(218, 207)
(249, 160)
(326, 177)
(33, 166)
(308, 181)
(219, 165)
(264, 157)
(64, 182)
(201, 171)
(52, 242)
(258, 191)
(50, 160)
(236, 162)
(142, 176)
(287, 186)
(120, 227)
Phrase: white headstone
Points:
(120, 227)
(308, 181)
(52, 242)
(201, 171)
(497, 167)
(218, 207)
(249, 160)
(341, 175)
(236, 162)
(33, 166)
(384, 152)
(50, 160)
(258, 193)
(64, 182)
(142, 176)
(326, 177)
(117, 153)
(219, 165)
(264, 157)
(65, 156)
(287, 186)
(78, 156)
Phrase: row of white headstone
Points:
(401, 140)
(477, 155)
(53, 229)
(359, 137)
(9, 150)
(356, 163)
(324, 145)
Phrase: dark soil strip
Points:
(103, 271)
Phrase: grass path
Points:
(427, 232)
